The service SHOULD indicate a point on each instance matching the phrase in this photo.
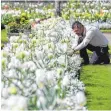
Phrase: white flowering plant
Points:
(89, 11)
(38, 69)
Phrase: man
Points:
(90, 38)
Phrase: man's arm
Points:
(85, 42)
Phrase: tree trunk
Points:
(57, 8)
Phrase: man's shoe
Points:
(107, 61)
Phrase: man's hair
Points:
(78, 24)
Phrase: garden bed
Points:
(38, 70)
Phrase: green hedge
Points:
(106, 31)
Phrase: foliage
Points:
(21, 22)
(14, 27)
(7, 18)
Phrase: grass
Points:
(106, 30)
(97, 79)
(4, 37)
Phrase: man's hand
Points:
(70, 52)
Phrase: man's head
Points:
(78, 28)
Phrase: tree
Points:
(57, 8)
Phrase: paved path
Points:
(108, 36)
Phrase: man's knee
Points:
(103, 58)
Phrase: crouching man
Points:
(92, 39)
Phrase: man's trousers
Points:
(102, 53)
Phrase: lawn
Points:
(4, 38)
(97, 79)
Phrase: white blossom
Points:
(15, 63)
(39, 54)
(5, 92)
(51, 75)
(12, 73)
(61, 60)
(40, 75)
(17, 102)
(66, 81)
(29, 65)
(80, 99)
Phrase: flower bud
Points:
(13, 90)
